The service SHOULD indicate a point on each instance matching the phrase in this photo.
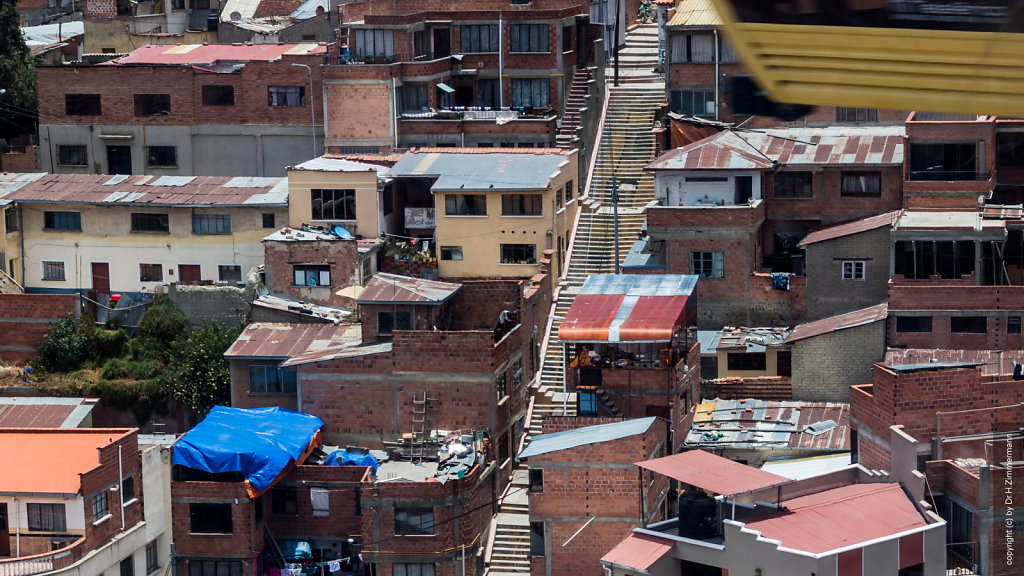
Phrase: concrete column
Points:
(979, 263)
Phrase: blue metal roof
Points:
(640, 284)
(576, 437)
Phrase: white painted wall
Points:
(687, 189)
(17, 511)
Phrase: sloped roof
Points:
(51, 461)
(386, 288)
(722, 151)
(853, 319)
(25, 412)
(713, 473)
(337, 164)
(280, 340)
(638, 551)
(458, 170)
(769, 424)
(629, 308)
(576, 437)
(209, 54)
(695, 13)
(144, 190)
(850, 228)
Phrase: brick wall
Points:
(25, 318)
(244, 540)
(341, 255)
(996, 303)
(22, 161)
(828, 293)
(99, 482)
(359, 111)
(825, 366)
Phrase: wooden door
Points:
(188, 273)
(101, 277)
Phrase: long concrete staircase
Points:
(627, 144)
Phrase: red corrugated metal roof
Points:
(849, 228)
(187, 54)
(853, 319)
(638, 551)
(589, 318)
(713, 473)
(653, 319)
(280, 340)
(386, 288)
(840, 517)
(35, 415)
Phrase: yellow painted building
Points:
(134, 234)
(330, 191)
(492, 212)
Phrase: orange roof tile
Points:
(49, 461)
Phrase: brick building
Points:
(966, 424)
(462, 73)
(584, 490)
(25, 318)
(212, 110)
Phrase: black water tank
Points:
(697, 514)
(212, 22)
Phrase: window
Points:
(913, 323)
(152, 558)
(694, 102)
(968, 324)
(151, 272)
(329, 204)
(1013, 324)
(697, 48)
(375, 43)
(214, 95)
(482, 38)
(162, 156)
(269, 221)
(752, 361)
(518, 254)
(128, 566)
(853, 270)
(536, 480)
(414, 521)
(271, 379)
(501, 386)
(11, 219)
(99, 506)
(559, 198)
(209, 518)
(419, 43)
(286, 95)
(568, 38)
(72, 155)
(1010, 149)
(535, 92)
(53, 271)
(529, 38)
(413, 569)
(284, 501)
(62, 220)
(569, 190)
(82, 104)
(943, 161)
(707, 264)
(46, 517)
(311, 275)
(152, 104)
(388, 322)
(229, 273)
(451, 252)
(128, 489)
(465, 205)
(144, 222)
(487, 90)
(793, 185)
(214, 568)
(414, 97)
(586, 403)
(211, 224)
(867, 184)
(844, 114)
(522, 204)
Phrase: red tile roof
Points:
(840, 517)
(198, 54)
(850, 228)
(853, 319)
(713, 473)
(638, 551)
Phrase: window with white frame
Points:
(707, 264)
(854, 269)
(375, 42)
(311, 274)
(693, 102)
(53, 271)
(100, 508)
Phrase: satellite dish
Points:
(236, 16)
(342, 233)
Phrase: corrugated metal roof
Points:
(800, 468)
(337, 352)
(640, 284)
(629, 308)
(209, 54)
(713, 473)
(758, 149)
(280, 340)
(576, 437)
(386, 288)
(751, 339)
(164, 191)
(853, 319)
(695, 13)
(308, 9)
(850, 228)
(768, 424)
(902, 368)
(480, 171)
(638, 551)
(990, 361)
(18, 412)
(330, 164)
(840, 518)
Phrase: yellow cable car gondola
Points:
(954, 56)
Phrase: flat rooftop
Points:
(51, 461)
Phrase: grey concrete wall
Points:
(824, 367)
(828, 293)
(226, 305)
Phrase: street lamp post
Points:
(312, 105)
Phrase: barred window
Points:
(162, 156)
(53, 271)
(72, 155)
(145, 222)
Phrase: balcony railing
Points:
(480, 113)
(41, 563)
(946, 175)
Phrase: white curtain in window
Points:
(320, 499)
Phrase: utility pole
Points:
(615, 40)
(615, 216)
(312, 105)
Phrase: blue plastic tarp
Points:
(258, 442)
(344, 458)
(296, 549)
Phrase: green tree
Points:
(63, 348)
(17, 76)
(159, 326)
(199, 375)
